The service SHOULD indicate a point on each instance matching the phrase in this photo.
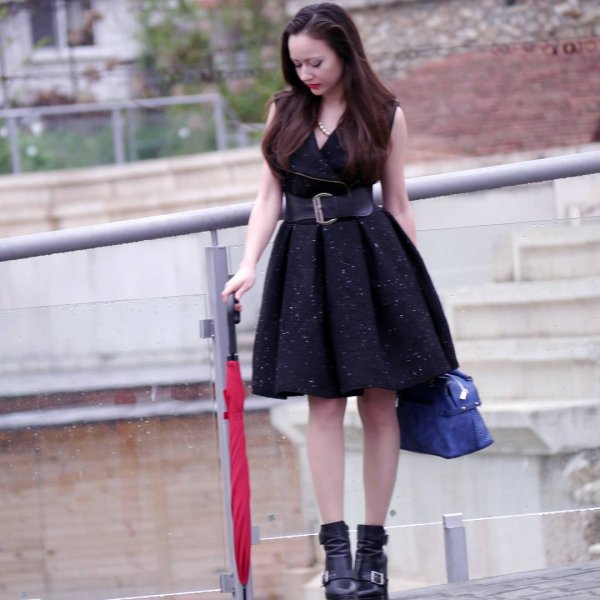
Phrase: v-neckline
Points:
(320, 148)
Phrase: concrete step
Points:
(525, 309)
(550, 369)
(542, 427)
(553, 252)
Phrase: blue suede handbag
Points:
(441, 417)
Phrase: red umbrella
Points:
(239, 472)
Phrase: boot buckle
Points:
(377, 578)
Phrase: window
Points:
(62, 23)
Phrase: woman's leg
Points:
(325, 440)
(325, 437)
(380, 461)
(377, 409)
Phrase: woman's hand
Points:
(239, 284)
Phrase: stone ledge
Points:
(543, 427)
(153, 167)
(35, 202)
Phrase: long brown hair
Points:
(364, 131)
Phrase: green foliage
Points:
(175, 36)
(177, 131)
(231, 47)
(248, 99)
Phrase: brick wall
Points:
(135, 507)
(504, 99)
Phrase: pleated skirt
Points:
(345, 307)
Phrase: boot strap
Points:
(368, 569)
(341, 573)
(375, 577)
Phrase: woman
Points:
(348, 308)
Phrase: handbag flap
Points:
(461, 393)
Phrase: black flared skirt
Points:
(346, 307)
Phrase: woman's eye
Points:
(315, 65)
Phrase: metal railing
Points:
(117, 111)
(213, 219)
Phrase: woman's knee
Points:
(377, 407)
(327, 410)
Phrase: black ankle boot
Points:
(371, 563)
(338, 578)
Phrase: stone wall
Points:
(400, 35)
(480, 77)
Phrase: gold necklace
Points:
(324, 129)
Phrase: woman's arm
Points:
(393, 184)
(263, 219)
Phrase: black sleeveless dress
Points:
(346, 306)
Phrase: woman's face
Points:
(317, 64)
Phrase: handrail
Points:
(109, 106)
(212, 219)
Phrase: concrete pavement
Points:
(574, 582)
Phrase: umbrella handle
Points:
(233, 318)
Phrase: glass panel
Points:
(523, 300)
(109, 451)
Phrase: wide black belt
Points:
(326, 209)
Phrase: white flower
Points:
(37, 128)
(31, 151)
(183, 132)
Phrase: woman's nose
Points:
(305, 73)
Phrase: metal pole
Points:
(132, 133)
(117, 132)
(455, 543)
(13, 140)
(217, 275)
(220, 129)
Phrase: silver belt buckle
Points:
(318, 208)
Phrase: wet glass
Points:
(110, 474)
(522, 299)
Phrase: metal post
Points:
(117, 132)
(217, 274)
(220, 129)
(132, 133)
(13, 140)
(455, 542)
